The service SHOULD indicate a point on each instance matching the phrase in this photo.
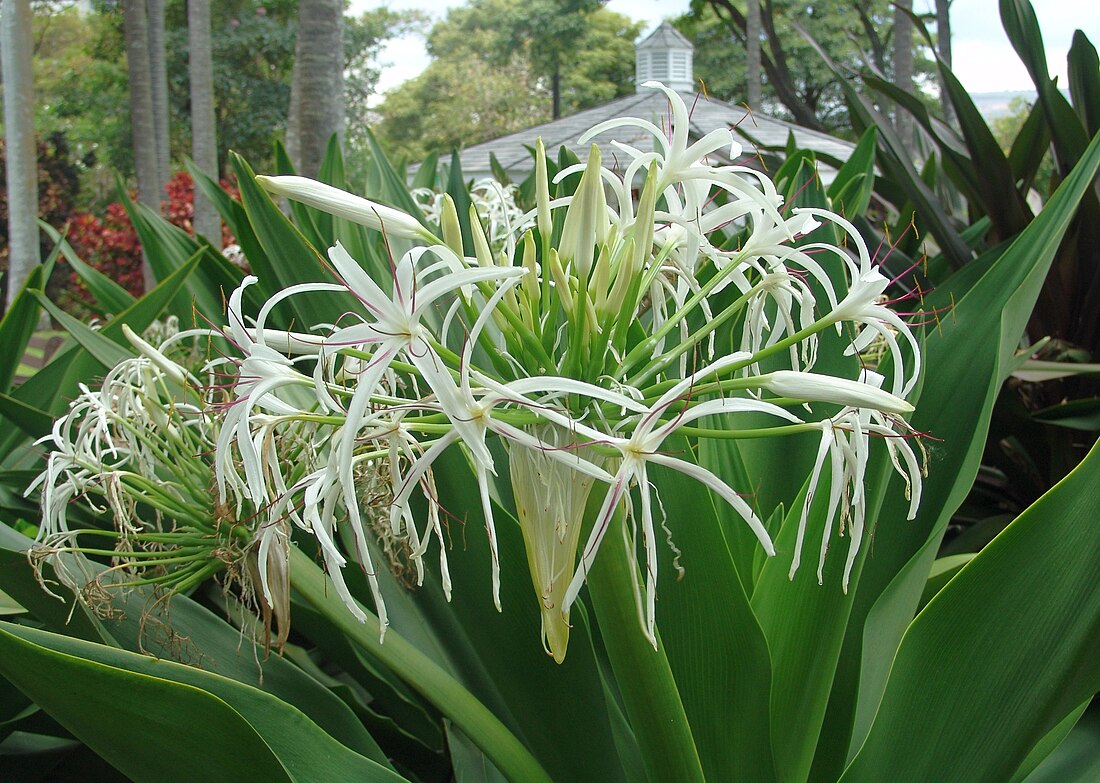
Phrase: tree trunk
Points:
(293, 117)
(555, 93)
(158, 75)
(903, 67)
(777, 70)
(22, 162)
(204, 139)
(321, 70)
(142, 126)
(752, 54)
(943, 49)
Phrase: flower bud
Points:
(347, 206)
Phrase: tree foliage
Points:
(493, 72)
(797, 84)
(81, 76)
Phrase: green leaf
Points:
(51, 388)
(895, 162)
(106, 352)
(58, 612)
(426, 174)
(174, 722)
(18, 325)
(851, 189)
(1019, 625)
(715, 645)
(431, 681)
(943, 571)
(112, 297)
(164, 246)
(558, 710)
(1084, 81)
(1075, 414)
(1050, 743)
(31, 420)
(1077, 759)
(1066, 129)
(1030, 146)
(979, 342)
(393, 189)
(287, 258)
(456, 187)
(655, 710)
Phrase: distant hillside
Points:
(997, 104)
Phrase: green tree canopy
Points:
(80, 73)
(494, 67)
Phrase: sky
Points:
(983, 59)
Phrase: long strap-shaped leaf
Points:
(967, 359)
(1002, 654)
(423, 674)
(160, 721)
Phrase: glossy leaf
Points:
(715, 645)
(979, 342)
(851, 189)
(1084, 81)
(174, 722)
(112, 297)
(1019, 625)
(17, 327)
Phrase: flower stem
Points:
(420, 672)
(648, 689)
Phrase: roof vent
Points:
(665, 56)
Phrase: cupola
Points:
(665, 56)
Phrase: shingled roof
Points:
(707, 114)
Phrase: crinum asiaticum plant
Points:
(581, 345)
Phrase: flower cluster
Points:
(642, 304)
(581, 342)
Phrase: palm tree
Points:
(943, 49)
(158, 74)
(22, 160)
(320, 66)
(903, 64)
(142, 124)
(204, 140)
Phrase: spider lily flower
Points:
(862, 306)
(845, 446)
(827, 388)
(138, 448)
(350, 207)
(572, 355)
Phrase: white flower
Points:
(813, 387)
(345, 205)
(643, 447)
(845, 444)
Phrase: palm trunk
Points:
(204, 141)
(943, 49)
(22, 161)
(293, 118)
(142, 126)
(158, 75)
(321, 69)
(903, 67)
